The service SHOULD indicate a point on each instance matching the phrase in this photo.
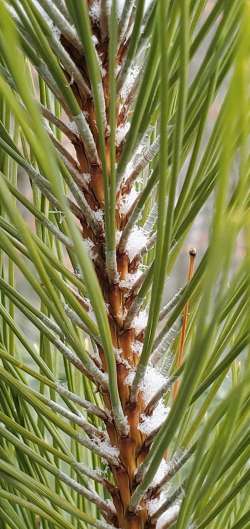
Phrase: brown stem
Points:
(131, 447)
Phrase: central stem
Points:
(131, 447)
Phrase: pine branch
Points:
(107, 164)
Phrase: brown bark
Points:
(131, 447)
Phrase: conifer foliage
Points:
(124, 404)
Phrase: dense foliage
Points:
(123, 404)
